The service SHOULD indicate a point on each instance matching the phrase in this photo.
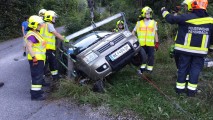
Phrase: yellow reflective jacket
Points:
(48, 37)
(146, 34)
(38, 48)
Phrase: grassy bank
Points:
(127, 93)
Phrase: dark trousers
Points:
(37, 72)
(150, 50)
(189, 64)
(51, 62)
(176, 57)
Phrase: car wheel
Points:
(98, 86)
(138, 59)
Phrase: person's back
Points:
(197, 24)
(24, 32)
(24, 26)
(50, 34)
(195, 31)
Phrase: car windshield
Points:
(89, 40)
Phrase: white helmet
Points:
(42, 12)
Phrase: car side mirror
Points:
(76, 50)
(73, 50)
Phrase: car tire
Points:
(138, 59)
(98, 86)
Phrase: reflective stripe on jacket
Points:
(48, 37)
(146, 34)
(194, 33)
(38, 48)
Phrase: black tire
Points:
(138, 59)
(98, 86)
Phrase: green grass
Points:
(125, 91)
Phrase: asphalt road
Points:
(15, 103)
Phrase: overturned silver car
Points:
(100, 53)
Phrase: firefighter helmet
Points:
(199, 4)
(119, 22)
(188, 3)
(146, 10)
(34, 21)
(49, 15)
(41, 12)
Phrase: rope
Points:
(168, 98)
(91, 6)
(177, 106)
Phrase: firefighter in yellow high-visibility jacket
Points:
(36, 47)
(146, 30)
(119, 26)
(49, 34)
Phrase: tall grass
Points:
(126, 91)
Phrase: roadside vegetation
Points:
(130, 95)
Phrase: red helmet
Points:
(199, 4)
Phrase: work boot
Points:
(24, 54)
(149, 71)
(191, 93)
(45, 84)
(1, 84)
(38, 98)
(179, 91)
(53, 87)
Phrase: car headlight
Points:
(127, 33)
(90, 57)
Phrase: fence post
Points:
(70, 68)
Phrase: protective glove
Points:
(171, 51)
(164, 12)
(66, 40)
(156, 45)
(35, 61)
(163, 9)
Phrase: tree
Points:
(12, 14)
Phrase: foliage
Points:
(82, 94)
(126, 91)
(12, 14)
(73, 13)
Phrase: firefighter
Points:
(187, 9)
(41, 12)
(146, 30)
(46, 71)
(195, 30)
(24, 31)
(49, 34)
(36, 56)
(119, 26)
